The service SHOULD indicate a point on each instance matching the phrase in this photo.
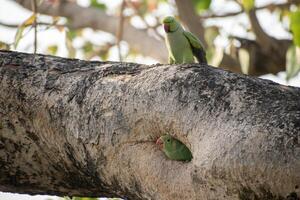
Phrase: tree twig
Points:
(38, 23)
(34, 8)
(82, 17)
(119, 33)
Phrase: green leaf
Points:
(244, 58)
(248, 4)
(201, 5)
(295, 26)
(18, 35)
(292, 62)
(4, 45)
(96, 4)
(87, 47)
(142, 7)
(283, 13)
(30, 20)
(69, 43)
(52, 49)
(104, 55)
(71, 34)
(76, 198)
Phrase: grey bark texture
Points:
(73, 127)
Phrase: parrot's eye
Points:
(168, 140)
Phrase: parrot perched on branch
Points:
(182, 45)
(174, 149)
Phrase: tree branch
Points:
(265, 61)
(81, 17)
(38, 23)
(270, 7)
(262, 61)
(262, 37)
(190, 18)
(72, 127)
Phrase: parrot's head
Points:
(165, 142)
(170, 24)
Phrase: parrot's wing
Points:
(196, 46)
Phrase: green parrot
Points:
(182, 45)
(173, 148)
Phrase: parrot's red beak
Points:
(167, 28)
(160, 143)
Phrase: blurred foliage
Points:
(293, 62)
(70, 36)
(293, 53)
(4, 46)
(295, 26)
(201, 5)
(96, 4)
(247, 4)
(19, 34)
(52, 49)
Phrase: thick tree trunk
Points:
(72, 127)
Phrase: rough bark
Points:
(73, 127)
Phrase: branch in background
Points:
(265, 41)
(231, 64)
(269, 45)
(119, 33)
(38, 23)
(269, 7)
(9, 25)
(190, 18)
(262, 61)
(139, 40)
(82, 17)
(262, 37)
(146, 24)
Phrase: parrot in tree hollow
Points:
(182, 45)
(173, 148)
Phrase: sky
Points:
(11, 196)
(234, 26)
